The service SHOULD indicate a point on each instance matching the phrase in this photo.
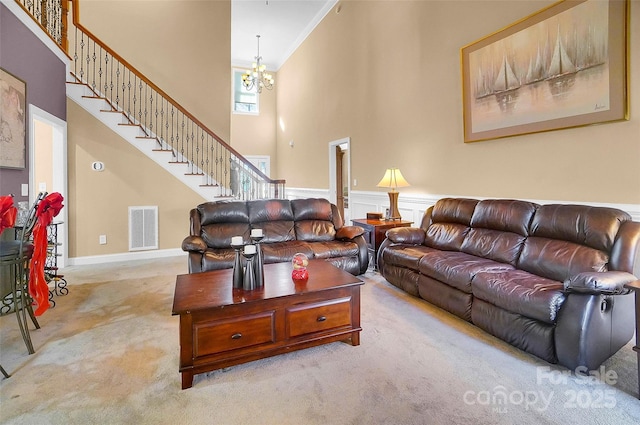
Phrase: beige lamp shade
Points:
(393, 179)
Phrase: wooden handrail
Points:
(77, 24)
(64, 41)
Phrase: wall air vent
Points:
(143, 228)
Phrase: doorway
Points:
(340, 176)
(48, 167)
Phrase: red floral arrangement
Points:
(48, 208)
(7, 212)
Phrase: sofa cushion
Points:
(498, 229)
(220, 221)
(505, 215)
(274, 217)
(406, 256)
(559, 260)
(218, 259)
(311, 209)
(313, 220)
(269, 210)
(453, 210)
(496, 245)
(278, 252)
(456, 269)
(276, 231)
(219, 235)
(520, 292)
(223, 212)
(333, 249)
(450, 219)
(446, 236)
(591, 226)
(314, 230)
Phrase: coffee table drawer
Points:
(233, 333)
(320, 316)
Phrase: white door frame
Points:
(333, 190)
(59, 171)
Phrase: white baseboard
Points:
(125, 256)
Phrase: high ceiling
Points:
(282, 25)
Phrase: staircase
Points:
(138, 136)
(115, 93)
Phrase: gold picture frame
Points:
(13, 95)
(564, 66)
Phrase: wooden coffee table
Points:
(221, 326)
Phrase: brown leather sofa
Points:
(548, 279)
(311, 226)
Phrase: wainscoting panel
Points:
(412, 206)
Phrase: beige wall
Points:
(182, 46)
(185, 50)
(256, 134)
(99, 201)
(387, 74)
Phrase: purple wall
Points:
(25, 56)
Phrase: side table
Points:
(635, 287)
(375, 232)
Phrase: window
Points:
(244, 101)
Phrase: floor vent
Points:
(143, 228)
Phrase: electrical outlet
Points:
(102, 239)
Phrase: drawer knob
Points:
(236, 336)
(322, 318)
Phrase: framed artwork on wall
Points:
(564, 66)
(13, 95)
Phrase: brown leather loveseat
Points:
(548, 279)
(311, 226)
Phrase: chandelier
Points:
(257, 77)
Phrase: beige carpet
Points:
(108, 354)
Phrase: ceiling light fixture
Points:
(257, 77)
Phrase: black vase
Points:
(249, 277)
(237, 269)
(259, 266)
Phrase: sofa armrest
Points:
(408, 235)
(349, 232)
(606, 283)
(194, 243)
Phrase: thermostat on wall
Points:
(97, 166)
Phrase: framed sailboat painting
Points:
(564, 66)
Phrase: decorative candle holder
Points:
(259, 266)
(237, 263)
(249, 277)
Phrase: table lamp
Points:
(393, 179)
